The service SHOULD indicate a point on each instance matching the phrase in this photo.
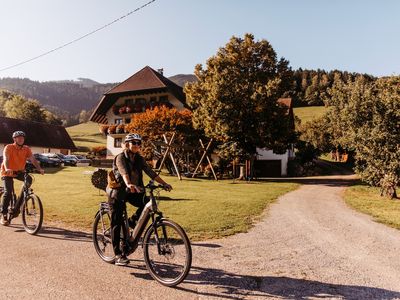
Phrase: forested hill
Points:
(61, 97)
(68, 97)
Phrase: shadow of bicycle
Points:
(216, 283)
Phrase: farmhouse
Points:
(148, 88)
(270, 164)
(143, 90)
(41, 137)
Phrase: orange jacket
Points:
(17, 157)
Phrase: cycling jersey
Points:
(17, 157)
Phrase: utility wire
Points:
(77, 39)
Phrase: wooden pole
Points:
(166, 151)
(208, 159)
(202, 157)
(172, 158)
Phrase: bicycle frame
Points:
(16, 203)
(150, 211)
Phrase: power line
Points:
(77, 39)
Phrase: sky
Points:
(350, 35)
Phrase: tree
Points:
(152, 124)
(235, 98)
(365, 117)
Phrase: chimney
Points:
(161, 71)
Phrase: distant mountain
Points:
(181, 79)
(69, 97)
(61, 97)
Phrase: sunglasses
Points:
(136, 143)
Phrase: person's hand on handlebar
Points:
(167, 187)
(9, 172)
(134, 188)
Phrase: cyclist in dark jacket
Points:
(128, 168)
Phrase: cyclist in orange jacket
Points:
(15, 156)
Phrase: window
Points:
(118, 143)
(118, 121)
(163, 99)
(129, 101)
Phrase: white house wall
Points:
(264, 154)
(111, 150)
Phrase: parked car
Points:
(81, 160)
(64, 159)
(47, 161)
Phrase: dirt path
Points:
(309, 245)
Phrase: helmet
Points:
(18, 133)
(132, 136)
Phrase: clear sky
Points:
(354, 35)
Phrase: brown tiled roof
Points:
(286, 101)
(37, 134)
(144, 81)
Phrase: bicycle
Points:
(28, 203)
(167, 249)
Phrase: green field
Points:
(205, 208)
(86, 136)
(367, 200)
(306, 114)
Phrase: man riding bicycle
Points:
(15, 156)
(128, 167)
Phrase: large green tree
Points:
(235, 98)
(365, 118)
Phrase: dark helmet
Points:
(18, 133)
(132, 137)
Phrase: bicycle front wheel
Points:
(32, 214)
(167, 253)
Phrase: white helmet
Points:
(133, 136)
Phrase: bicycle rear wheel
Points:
(168, 260)
(102, 236)
(32, 214)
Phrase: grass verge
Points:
(206, 209)
(367, 200)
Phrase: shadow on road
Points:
(64, 234)
(234, 286)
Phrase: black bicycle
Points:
(166, 247)
(29, 204)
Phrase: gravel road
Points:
(308, 245)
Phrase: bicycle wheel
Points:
(102, 236)
(169, 260)
(32, 214)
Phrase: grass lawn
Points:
(86, 136)
(205, 208)
(306, 114)
(367, 200)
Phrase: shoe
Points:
(3, 220)
(121, 260)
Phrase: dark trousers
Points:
(8, 183)
(117, 200)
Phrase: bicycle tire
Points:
(163, 269)
(101, 240)
(36, 206)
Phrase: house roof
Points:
(145, 81)
(37, 134)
